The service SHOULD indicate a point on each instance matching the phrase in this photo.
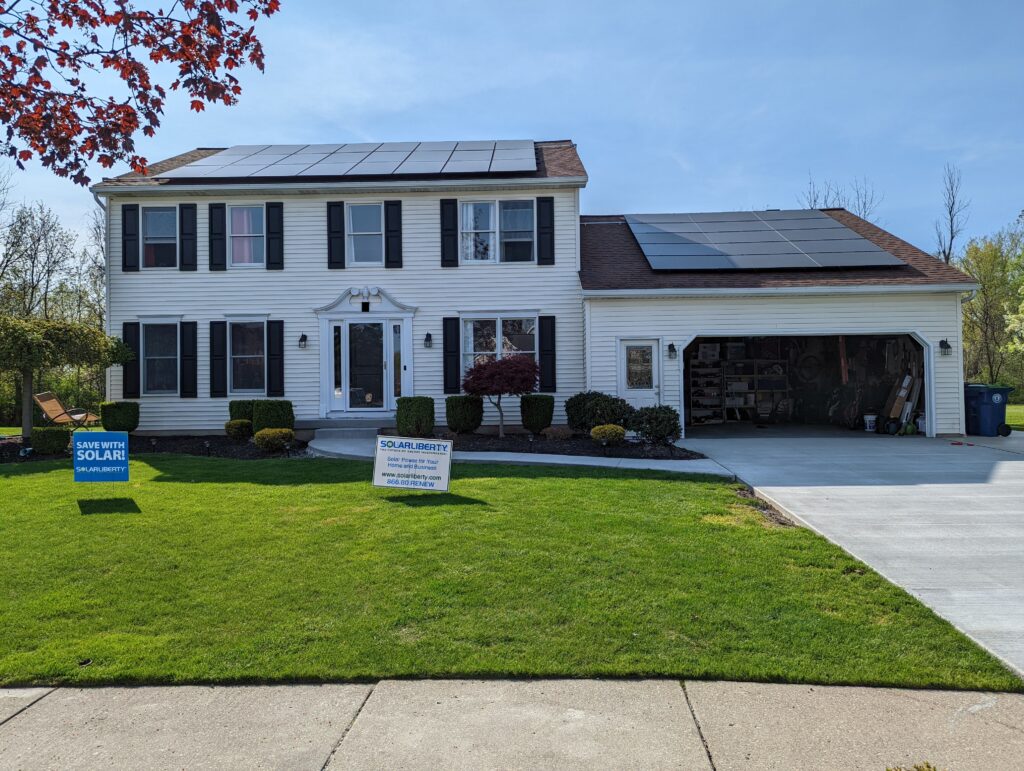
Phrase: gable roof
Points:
(611, 259)
(556, 159)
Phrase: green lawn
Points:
(1015, 416)
(209, 570)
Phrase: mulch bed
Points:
(214, 446)
(577, 445)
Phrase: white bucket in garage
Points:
(871, 423)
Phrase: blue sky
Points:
(675, 106)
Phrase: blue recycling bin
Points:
(986, 409)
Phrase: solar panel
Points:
(363, 159)
(796, 238)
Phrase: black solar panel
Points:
(749, 240)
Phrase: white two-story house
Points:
(342, 277)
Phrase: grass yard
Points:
(1015, 416)
(210, 570)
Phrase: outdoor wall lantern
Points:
(945, 349)
(428, 341)
(303, 340)
(672, 352)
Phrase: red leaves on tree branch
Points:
(513, 375)
(49, 47)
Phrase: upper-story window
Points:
(160, 358)
(245, 231)
(366, 233)
(497, 231)
(159, 237)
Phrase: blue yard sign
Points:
(100, 456)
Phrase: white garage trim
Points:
(775, 291)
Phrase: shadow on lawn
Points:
(435, 499)
(89, 506)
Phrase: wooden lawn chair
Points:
(59, 415)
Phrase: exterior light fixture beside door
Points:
(428, 341)
(672, 352)
(303, 340)
(945, 349)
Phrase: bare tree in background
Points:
(37, 253)
(954, 214)
(859, 197)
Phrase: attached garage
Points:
(793, 346)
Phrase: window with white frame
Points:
(497, 231)
(159, 236)
(498, 337)
(245, 235)
(366, 233)
(159, 358)
(247, 343)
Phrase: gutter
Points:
(777, 291)
(312, 188)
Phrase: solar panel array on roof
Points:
(752, 240)
(363, 159)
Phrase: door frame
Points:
(342, 403)
(657, 344)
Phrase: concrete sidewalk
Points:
(509, 724)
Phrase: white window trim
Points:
(496, 230)
(157, 321)
(349, 233)
(498, 318)
(142, 237)
(237, 319)
(231, 240)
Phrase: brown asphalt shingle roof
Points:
(557, 158)
(611, 258)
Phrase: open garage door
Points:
(839, 381)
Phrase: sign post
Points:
(100, 456)
(412, 464)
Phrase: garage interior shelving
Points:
(735, 387)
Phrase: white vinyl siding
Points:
(516, 288)
(933, 317)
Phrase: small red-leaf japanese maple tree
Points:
(494, 378)
(48, 48)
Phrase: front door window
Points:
(366, 366)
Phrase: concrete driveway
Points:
(944, 520)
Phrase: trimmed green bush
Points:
(119, 416)
(241, 409)
(272, 413)
(50, 440)
(536, 410)
(593, 408)
(274, 439)
(608, 434)
(657, 425)
(464, 413)
(239, 430)
(415, 416)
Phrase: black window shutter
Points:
(546, 231)
(392, 234)
(130, 370)
(275, 358)
(189, 371)
(336, 234)
(129, 236)
(187, 236)
(449, 233)
(218, 237)
(275, 236)
(452, 351)
(218, 358)
(546, 339)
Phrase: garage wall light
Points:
(945, 349)
(672, 352)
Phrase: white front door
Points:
(639, 373)
(368, 364)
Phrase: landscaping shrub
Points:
(119, 416)
(241, 409)
(608, 434)
(593, 408)
(272, 413)
(415, 415)
(658, 425)
(558, 433)
(274, 439)
(536, 410)
(50, 440)
(464, 413)
(239, 430)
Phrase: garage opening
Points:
(837, 381)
